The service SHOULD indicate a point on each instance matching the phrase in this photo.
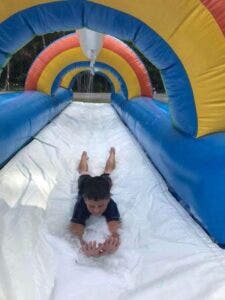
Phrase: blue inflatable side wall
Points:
(194, 168)
(23, 114)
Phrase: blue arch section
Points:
(69, 15)
(81, 64)
(99, 73)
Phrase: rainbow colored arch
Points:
(57, 60)
(69, 78)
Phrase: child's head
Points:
(96, 193)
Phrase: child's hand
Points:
(111, 244)
(91, 248)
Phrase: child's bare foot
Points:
(84, 155)
(112, 151)
(111, 161)
(83, 165)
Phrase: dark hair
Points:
(96, 188)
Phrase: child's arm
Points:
(78, 230)
(112, 243)
(114, 227)
(113, 221)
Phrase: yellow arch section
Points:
(70, 75)
(58, 63)
(66, 80)
(202, 52)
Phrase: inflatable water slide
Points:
(184, 139)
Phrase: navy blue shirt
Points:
(81, 213)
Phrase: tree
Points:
(23, 59)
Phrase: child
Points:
(94, 199)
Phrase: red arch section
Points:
(217, 9)
(57, 47)
(130, 56)
(71, 41)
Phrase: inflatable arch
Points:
(185, 40)
(106, 69)
(68, 80)
(66, 52)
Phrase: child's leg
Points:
(83, 165)
(111, 161)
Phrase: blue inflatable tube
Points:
(194, 168)
(23, 114)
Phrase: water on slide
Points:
(164, 254)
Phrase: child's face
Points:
(96, 208)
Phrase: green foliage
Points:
(22, 60)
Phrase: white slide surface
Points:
(163, 255)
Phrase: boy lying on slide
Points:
(94, 199)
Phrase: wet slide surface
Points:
(164, 254)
